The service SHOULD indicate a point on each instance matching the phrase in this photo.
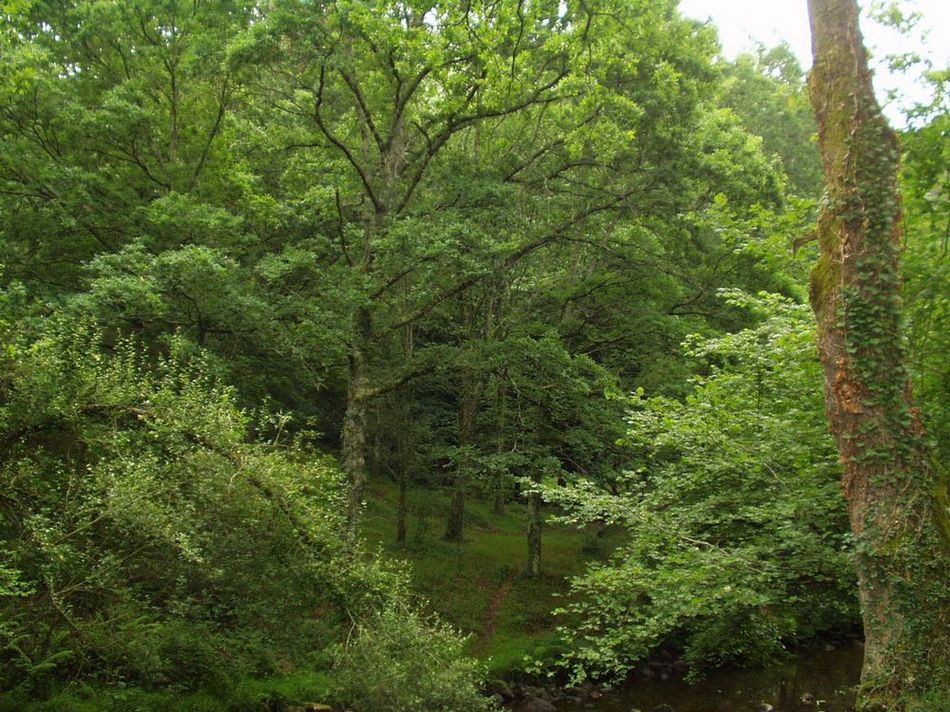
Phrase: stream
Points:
(812, 680)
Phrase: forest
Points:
(459, 355)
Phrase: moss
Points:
(942, 497)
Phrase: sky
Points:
(743, 22)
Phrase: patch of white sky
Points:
(743, 23)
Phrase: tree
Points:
(767, 91)
(896, 491)
(385, 90)
(737, 538)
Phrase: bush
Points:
(400, 662)
(150, 545)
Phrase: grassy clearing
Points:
(478, 585)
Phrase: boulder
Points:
(500, 688)
(578, 692)
(539, 692)
(536, 704)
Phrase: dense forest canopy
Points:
(282, 281)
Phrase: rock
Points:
(663, 670)
(538, 692)
(536, 704)
(578, 692)
(765, 707)
(500, 688)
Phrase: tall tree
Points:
(895, 489)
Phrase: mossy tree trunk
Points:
(533, 567)
(471, 392)
(895, 490)
(355, 419)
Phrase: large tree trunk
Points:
(355, 425)
(896, 492)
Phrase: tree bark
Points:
(500, 479)
(353, 460)
(455, 523)
(895, 490)
(533, 567)
(534, 533)
(403, 508)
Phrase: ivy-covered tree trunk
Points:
(896, 491)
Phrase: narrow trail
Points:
(494, 606)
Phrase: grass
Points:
(249, 695)
(477, 585)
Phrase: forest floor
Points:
(478, 585)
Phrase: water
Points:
(827, 676)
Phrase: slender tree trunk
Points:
(498, 505)
(534, 534)
(407, 444)
(896, 492)
(501, 401)
(454, 524)
(403, 507)
(456, 520)
(355, 423)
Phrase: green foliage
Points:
(396, 662)
(738, 536)
(467, 227)
(926, 272)
(147, 541)
(767, 91)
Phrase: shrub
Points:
(400, 662)
(149, 544)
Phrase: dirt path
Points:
(494, 606)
